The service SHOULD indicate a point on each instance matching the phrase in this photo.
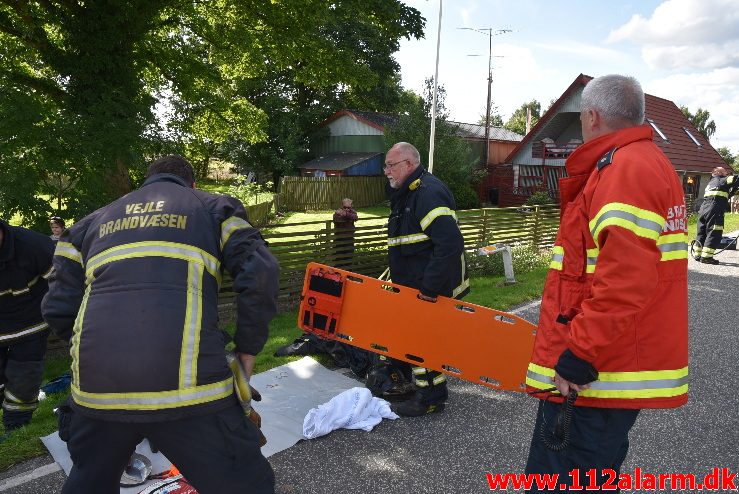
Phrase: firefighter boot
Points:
(416, 407)
(388, 381)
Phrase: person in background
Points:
(344, 219)
(57, 227)
(136, 290)
(612, 337)
(710, 229)
(25, 264)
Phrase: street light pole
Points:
(433, 99)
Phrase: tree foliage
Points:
(496, 120)
(453, 159)
(93, 89)
(701, 120)
(517, 122)
(730, 158)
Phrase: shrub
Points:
(538, 199)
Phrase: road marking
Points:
(29, 476)
(526, 307)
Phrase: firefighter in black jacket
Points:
(135, 288)
(711, 214)
(25, 263)
(426, 252)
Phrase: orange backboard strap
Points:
(468, 341)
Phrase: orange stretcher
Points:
(468, 341)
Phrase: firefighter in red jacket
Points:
(720, 188)
(613, 326)
(136, 289)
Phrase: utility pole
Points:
(489, 31)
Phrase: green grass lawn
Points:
(488, 291)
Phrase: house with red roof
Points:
(537, 163)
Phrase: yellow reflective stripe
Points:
(627, 385)
(642, 222)
(191, 334)
(558, 255)
(673, 246)
(718, 228)
(435, 213)
(74, 343)
(229, 226)
(154, 400)
(716, 193)
(464, 286)
(419, 371)
(171, 250)
(592, 259)
(65, 249)
(440, 379)
(407, 239)
(421, 384)
(36, 328)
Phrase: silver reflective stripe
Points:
(539, 377)
(631, 218)
(558, 257)
(673, 246)
(24, 332)
(642, 384)
(154, 400)
(231, 225)
(153, 249)
(191, 333)
(407, 239)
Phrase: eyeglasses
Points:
(390, 165)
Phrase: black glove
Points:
(575, 369)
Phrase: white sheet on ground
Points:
(355, 408)
(288, 393)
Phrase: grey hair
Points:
(409, 150)
(619, 100)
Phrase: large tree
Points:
(701, 119)
(90, 89)
(517, 122)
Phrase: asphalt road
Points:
(482, 431)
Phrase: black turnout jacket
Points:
(136, 289)
(425, 246)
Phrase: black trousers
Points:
(21, 372)
(217, 453)
(599, 439)
(710, 230)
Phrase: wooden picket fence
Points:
(319, 241)
(316, 194)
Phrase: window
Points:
(658, 130)
(692, 137)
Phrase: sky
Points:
(686, 51)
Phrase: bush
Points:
(538, 199)
(526, 258)
(464, 196)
